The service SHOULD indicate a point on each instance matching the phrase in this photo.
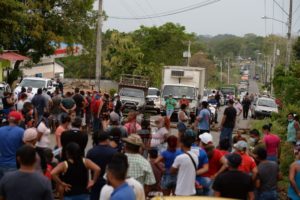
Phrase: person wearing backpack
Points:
(185, 165)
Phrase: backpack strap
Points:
(194, 163)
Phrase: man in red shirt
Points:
(185, 101)
(248, 164)
(216, 161)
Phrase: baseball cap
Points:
(206, 138)
(234, 160)
(241, 145)
(30, 134)
(114, 116)
(15, 115)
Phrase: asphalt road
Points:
(241, 124)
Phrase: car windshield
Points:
(32, 83)
(130, 92)
(266, 103)
(179, 91)
(152, 92)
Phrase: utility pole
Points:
(189, 53)
(228, 70)
(272, 67)
(99, 45)
(289, 36)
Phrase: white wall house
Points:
(47, 68)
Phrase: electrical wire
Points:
(296, 9)
(142, 9)
(168, 13)
(129, 10)
(153, 11)
(274, 1)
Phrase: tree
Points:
(164, 44)
(35, 28)
(297, 49)
(122, 56)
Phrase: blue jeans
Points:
(4, 170)
(207, 186)
(267, 195)
(169, 112)
(78, 197)
(226, 133)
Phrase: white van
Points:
(35, 83)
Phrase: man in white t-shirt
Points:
(136, 186)
(185, 165)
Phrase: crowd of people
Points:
(129, 159)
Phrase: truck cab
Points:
(133, 91)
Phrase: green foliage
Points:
(122, 56)
(164, 44)
(297, 49)
(112, 92)
(286, 85)
(34, 27)
(13, 75)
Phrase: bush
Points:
(112, 92)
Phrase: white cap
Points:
(206, 138)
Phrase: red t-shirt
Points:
(272, 144)
(184, 101)
(223, 152)
(214, 163)
(248, 163)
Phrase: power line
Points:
(142, 9)
(129, 10)
(153, 10)
(168, 13)
(281, 7)
(296, 9)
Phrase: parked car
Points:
(153, 99)
(35, 83)
(264, 107)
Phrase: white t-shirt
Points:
(158, 137)
(44, 142)
(20, 105)
(137, 188)
(185, 185)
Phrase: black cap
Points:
(234, 160)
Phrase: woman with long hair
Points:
(73, 174)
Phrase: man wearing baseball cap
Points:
(10, 141)
(248, 164)
(139, 167)
(234, 183)
(216, 162)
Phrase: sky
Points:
(236, 17)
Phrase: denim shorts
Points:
(168, 181)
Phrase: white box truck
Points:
(183, 80)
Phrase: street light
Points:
(265, 17)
